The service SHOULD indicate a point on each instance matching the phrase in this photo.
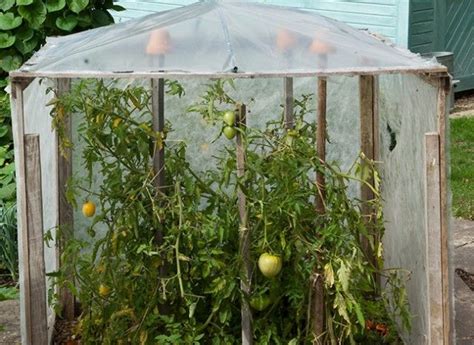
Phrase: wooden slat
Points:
(289, 100)
(244, 232)
(366, 88)
(34, 240)
(18, 133)
(443, 91)
(433, 239)
(65, 216)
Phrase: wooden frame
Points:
(369, 145)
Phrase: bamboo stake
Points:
(34, 240)
(65, 211)
(244, 233)
(158, 110)
(289, 100)
(318, 306)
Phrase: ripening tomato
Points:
(269, 264)
(260, 303)
(88, 209)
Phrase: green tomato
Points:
(270, 265)
(229, 132)
(260, 303)
(229, 118)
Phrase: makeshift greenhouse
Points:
(229, 172)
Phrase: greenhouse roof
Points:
(218, 38)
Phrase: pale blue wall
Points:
(386, 17)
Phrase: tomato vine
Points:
(185, 289)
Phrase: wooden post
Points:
(318, 306)
(289, 100)
(24, 255)
(65, 211)
(443, 91)
(158, 110)
(433, 239)
(368, 140)
(244, 234)
(321, 142)
(37, 278)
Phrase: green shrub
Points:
(24, 24)
(8, 240)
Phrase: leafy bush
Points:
(167, 269)
(7, 293)
(24, 24)
(8, 239)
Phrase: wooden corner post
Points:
(448, 315)
(289, 103)
(244, 232)
(65, 210)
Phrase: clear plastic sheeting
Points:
(215, 37)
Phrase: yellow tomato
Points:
(270, 265)
(104, 290)
(88, 209)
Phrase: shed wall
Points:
(386, 17)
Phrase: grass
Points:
(7, 293)
(462, 166)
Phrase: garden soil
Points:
(9, 322)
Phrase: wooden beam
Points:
(289, 100)
(158, 110)
(251, 75)
(244, 234)
(65, 211)
(443, 91)
(37, 277)
(24, 254)
(367, 145)
(433, 239)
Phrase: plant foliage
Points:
(162, 265)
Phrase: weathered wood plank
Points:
(65, 211)
(443, 92)
(289, 106)
(244, 232)
(37, 277)
(433, 239)
(18, 135)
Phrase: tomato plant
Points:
(162, 265)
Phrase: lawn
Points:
(462, 166)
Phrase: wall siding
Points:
(381, 16)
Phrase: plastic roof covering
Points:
(218, 37)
